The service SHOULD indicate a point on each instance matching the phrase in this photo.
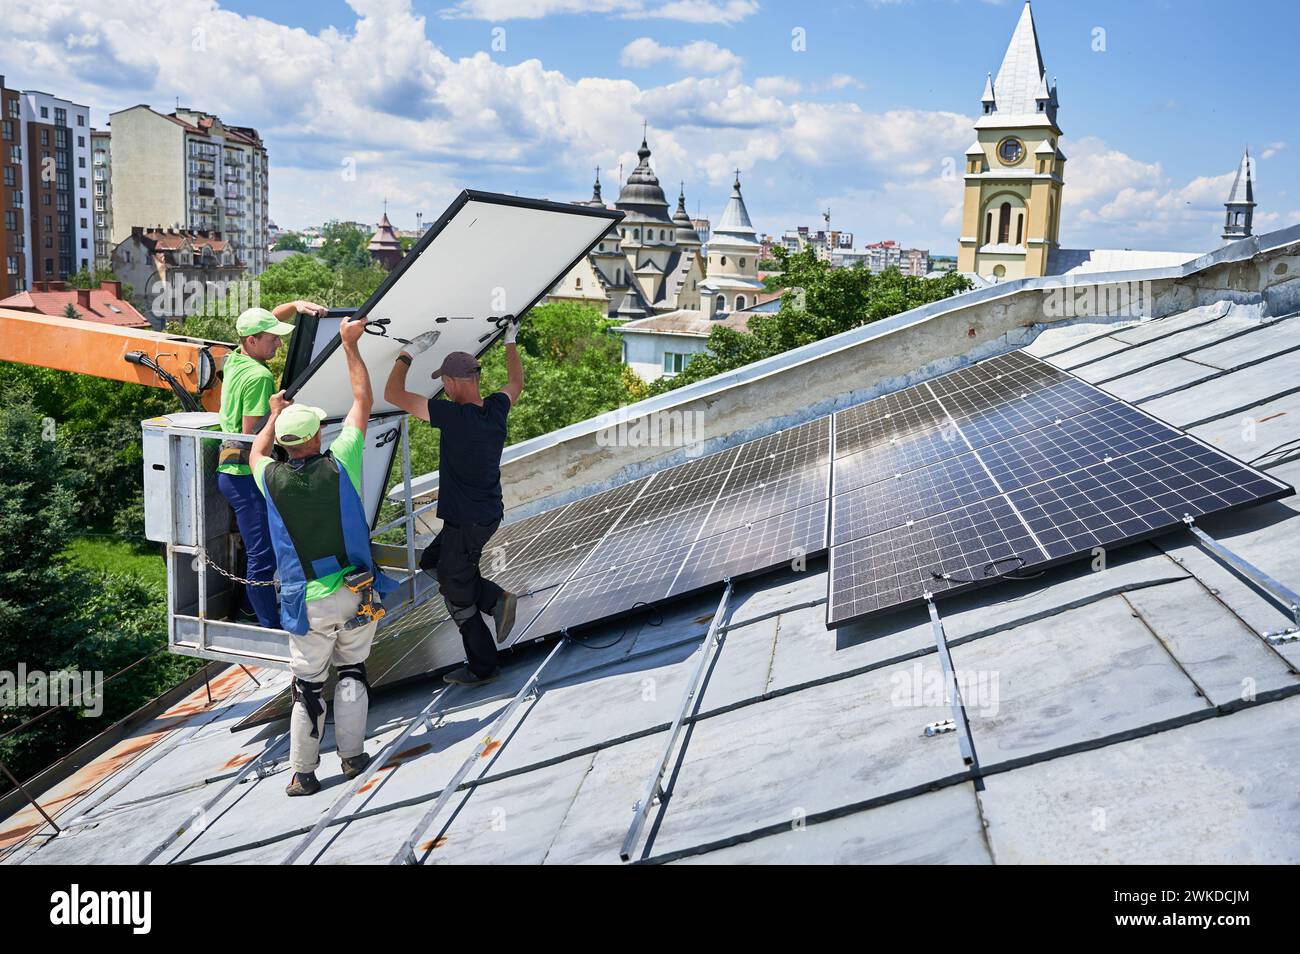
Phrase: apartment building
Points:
(825, 242)
(13, 227)
(46, 182)
(57, 156)
(189, 170)
(102, 196)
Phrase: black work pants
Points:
(453, 557)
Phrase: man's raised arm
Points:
(362, 398)
(265, 438)
(395, 392)
(514, 365)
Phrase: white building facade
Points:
(191, 171)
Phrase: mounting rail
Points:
(406, 854)
(1289, 599)
(654, 791)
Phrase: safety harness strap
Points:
(309, 694)
(355, 671)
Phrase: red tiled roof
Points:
(169, 241)
(104, 306)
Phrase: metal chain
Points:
(202, 555)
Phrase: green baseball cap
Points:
(297, 424)
(256, 320)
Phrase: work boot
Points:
(354, 766)
(302, 783)
(503, 614)
(464, 676)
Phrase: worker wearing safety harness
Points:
(246, 386)
(329, 588)
(473, 431)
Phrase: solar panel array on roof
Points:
(738, 511)
(999, 468)
(1004, 468)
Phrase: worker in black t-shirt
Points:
(473, 430)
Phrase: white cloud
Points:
(844, 81)
(421, 124)
(701, 56)
(688, 11)
(778, 86)
(1114, 201)
(1272, 149)
(699, 11)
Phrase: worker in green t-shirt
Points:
(328, 580)
(246, 387)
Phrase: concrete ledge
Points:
(814, 380)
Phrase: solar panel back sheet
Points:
(1001, 469)
(456, 281)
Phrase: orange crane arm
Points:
(94, 348)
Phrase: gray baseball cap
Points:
(458, 364)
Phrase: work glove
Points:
(421, 343)
(512, 331)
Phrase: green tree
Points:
(37, 510)
(96, 424)
(85, 279)
(55, 617)
(345, 246)
(290, 242)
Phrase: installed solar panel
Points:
(816, 431)
(1059, 448)
(605, 501)
(896, 457)
(946, 552)
(893, 416)
(1137, 495)
(915, 495)
(1056, 468)
(756, 502)
(659, 531)
(988, 414)
(760, 545)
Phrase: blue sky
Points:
(422, 99)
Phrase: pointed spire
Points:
(595, 190)
(684, 234)
(1020, 79)
(988, 99)
(1240, 206)
(735, 226)
(1243, 185)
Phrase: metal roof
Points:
(1126, 714)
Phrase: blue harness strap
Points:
(293, 579)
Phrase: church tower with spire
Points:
(1011, 212)
(1241, 202)
(732, 282)
(385, 246)
(651, 265)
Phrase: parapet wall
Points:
(863, 363)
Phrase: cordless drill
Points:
(369, 609)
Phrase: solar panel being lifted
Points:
(453, 281)
(1007, 466)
